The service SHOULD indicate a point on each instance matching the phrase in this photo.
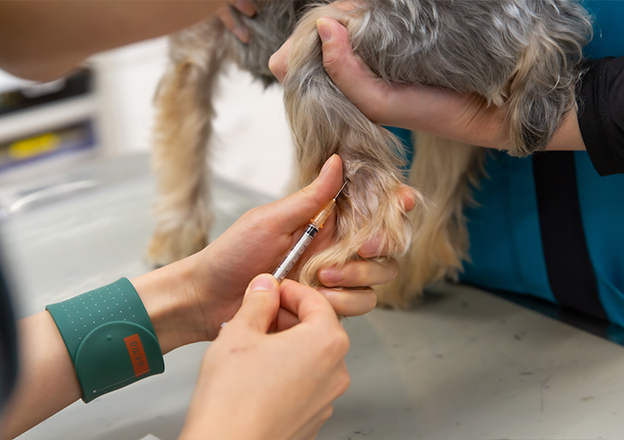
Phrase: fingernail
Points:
(324, 30)
(242, 33)
(263, 283)
(332, 275)
(371, 248)
(327, 165)
(245, 7)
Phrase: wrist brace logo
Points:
(137, 355)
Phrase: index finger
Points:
(246, 7)
(278, 63)
(225, 15)
(309, 305)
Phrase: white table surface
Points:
(463, 365)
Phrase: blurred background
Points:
(105, 110)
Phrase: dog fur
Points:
(523, 54)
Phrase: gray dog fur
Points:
(523, 54)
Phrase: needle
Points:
(306, 238)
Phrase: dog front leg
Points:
(324, 122)
(445, 171)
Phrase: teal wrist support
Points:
(109, 337)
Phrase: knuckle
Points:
(393, 268)
(358, 273)
(342, 380)
(338, 343)
(276, 66)
(329, 62)
(333, 62)
(338, 301)
(226, 17)
(370, 300)
(327, 413)
(344, 383)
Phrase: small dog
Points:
(523, 54)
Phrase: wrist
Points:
(173, 304)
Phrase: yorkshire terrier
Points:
(524, 55)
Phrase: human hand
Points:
(225, 14)
(466, 118)
(254, 385)
(188, 301)
(463, 117)
(258, 241)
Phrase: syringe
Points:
(297, 250)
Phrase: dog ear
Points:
(542, 88)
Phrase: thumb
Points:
(278, 63)
(260, 304)
(351, 75)
(294, 211)
(344, 68)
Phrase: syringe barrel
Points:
(293, 255)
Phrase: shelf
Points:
(47, 117)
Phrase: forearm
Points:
(467, 118)
(601, 116)
(42, 40)
(47, 382)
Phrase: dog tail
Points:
(323, 122)
(184, 114)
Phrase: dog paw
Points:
(371, 208)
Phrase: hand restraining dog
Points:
(524, 55)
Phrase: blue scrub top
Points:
(505, 236)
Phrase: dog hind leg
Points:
(184, 116)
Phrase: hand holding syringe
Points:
(306, 238)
